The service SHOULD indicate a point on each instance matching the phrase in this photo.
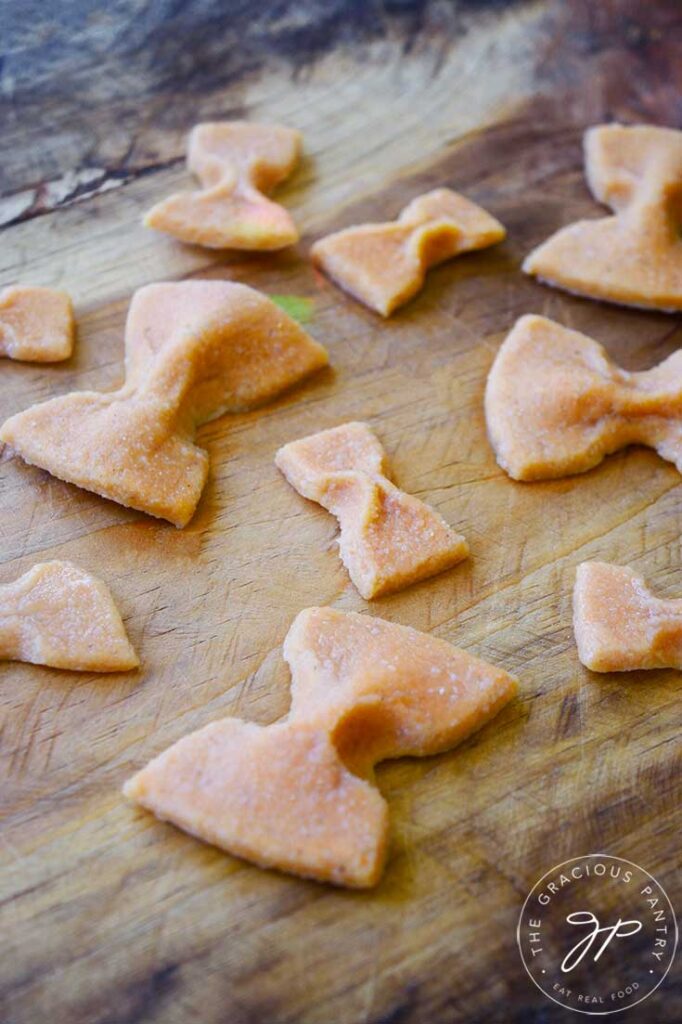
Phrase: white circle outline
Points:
(619, 1009)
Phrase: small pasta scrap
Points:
(36, 324)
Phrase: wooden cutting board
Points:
(111, 917)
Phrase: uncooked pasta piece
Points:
(389, 539)
(556, 404)
(299, 795)
(36, 324)
(194, 350)
(59, 615)
(236, 163)
(384, 265)
(633, 258)
(620, 625)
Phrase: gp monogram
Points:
(597, 934)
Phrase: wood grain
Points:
(109, 917)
